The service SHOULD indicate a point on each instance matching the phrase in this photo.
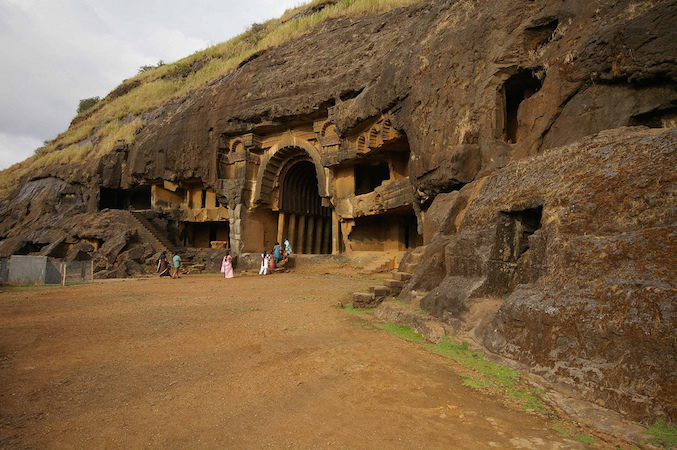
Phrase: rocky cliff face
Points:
(443, 69)
(496, 101)
(580, 242)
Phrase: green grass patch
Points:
(418, 310)
(664, 433)
(585, 439)
(576, 436)
(357, 311)
(563, 431)
(402, 332)
(489, 376)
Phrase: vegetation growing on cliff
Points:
(120, 116)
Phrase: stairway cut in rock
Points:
(391, 286)
(160, 242)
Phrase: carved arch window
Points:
(328, 130)
(237, 146)
(361, 144)
(375, 137)
(387, 130)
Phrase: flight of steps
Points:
(384, 263)
(391, 286)
(159, 241)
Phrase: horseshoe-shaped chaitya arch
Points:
(274, 161)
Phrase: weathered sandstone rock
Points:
(581, 243)
(479, 117)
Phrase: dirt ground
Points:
(249, 362)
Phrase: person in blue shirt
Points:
(277, 253)
(177, 264)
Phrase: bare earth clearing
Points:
(249, 362)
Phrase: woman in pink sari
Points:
(227, 265)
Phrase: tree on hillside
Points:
(146, 68)
(87, 103)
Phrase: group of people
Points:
(267, 261)
(163, 266)
(278, 254)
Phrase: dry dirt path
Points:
(250, 362)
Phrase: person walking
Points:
(177, 265)
(287, 247)
(265, 257)
(227, 265)
(163, 266)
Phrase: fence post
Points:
(91, 270)
(63, 275)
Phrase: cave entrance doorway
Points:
(394, 230)
(138, 198)
(303, 218)
(516, 89)
(202, 234)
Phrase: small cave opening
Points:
(519, 226)
(30, 247)
(370, 176)
(516, 89)
(539, 35)
(395, 230)
(202, 234)
(138, 198)
(664, 118)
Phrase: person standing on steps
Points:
(287, 247)
(227, 265)
(177, 265)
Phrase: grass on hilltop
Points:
(95, 131)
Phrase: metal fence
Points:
(24, 270)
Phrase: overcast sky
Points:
(56, 52)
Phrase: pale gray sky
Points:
(56, 52)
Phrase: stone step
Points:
(394, 283)
(379, 291)
(409, 267)
(364, 299)
(395, 291)
(416, 297)
(165, 244)
(402, 276)
(417, 254)
(416, 258)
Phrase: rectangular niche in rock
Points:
(518, 254)
(370, 176)
(516, 89)
(138, 198)
(519, 225)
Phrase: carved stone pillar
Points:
(291, 233)
(302, 234)
(280, 227)
(335, 230)
(311, 235)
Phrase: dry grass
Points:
(97, 130)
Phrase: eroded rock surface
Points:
(480, 116)
(580, 242)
